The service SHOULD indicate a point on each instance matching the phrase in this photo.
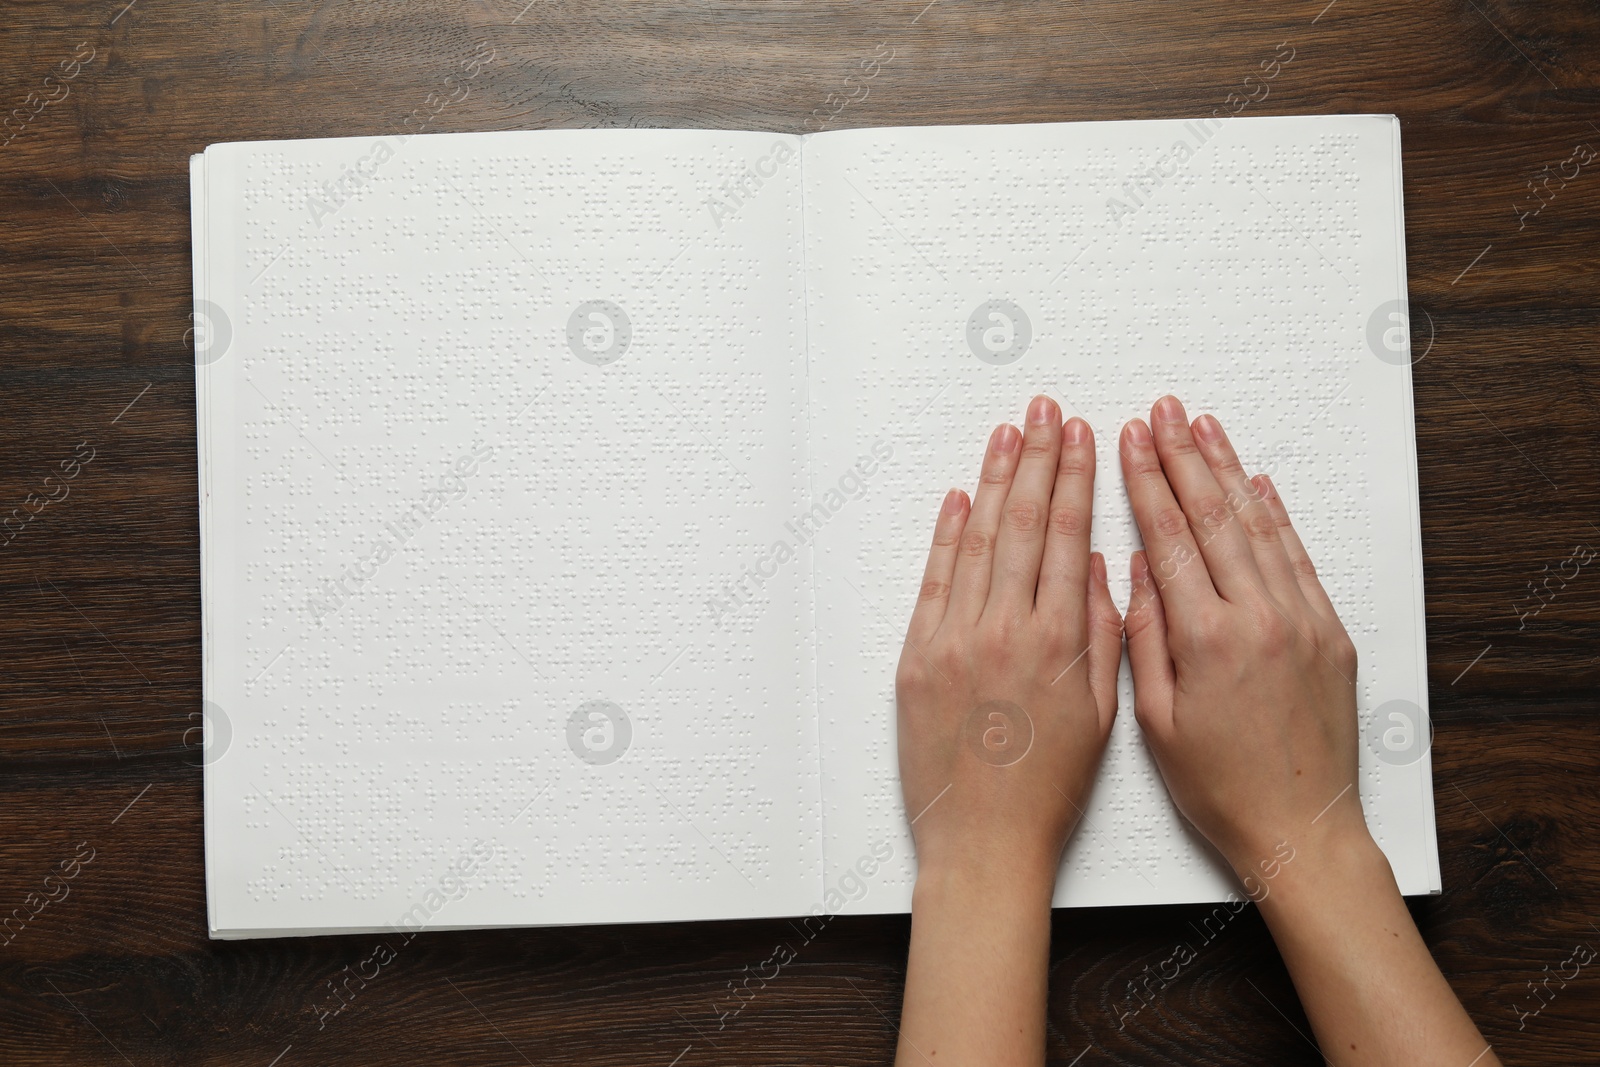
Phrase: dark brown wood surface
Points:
(99, 638)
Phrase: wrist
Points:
(984, 881)
(1260, 853)
(1322, 870)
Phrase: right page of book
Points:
(1255, 268)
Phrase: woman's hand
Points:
(1243, 677)
(1007, 682)
(1244, 685)
(1006, 692)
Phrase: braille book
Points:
(564, 494)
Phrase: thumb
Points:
(1105, 642)
(1146, 627)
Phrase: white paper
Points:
(1244, 282)
(635, 507)
(424, 324)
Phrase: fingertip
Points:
(1076, 432)
(1043, 410)
(1207, 429)
(1137, 432)
(955, 502)
(1004, 440)
(1097, 567)
(1168, 409)
(1139, 567)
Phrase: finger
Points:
(934, 596)
(975, 555)
(1305, 572)
(1245, 500)
(1064, 570)
(1178, 566)
(1146, 627)
(1223, 544)
(1020, 542)
(1105, 642)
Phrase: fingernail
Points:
(1077, 431)
(1004, 439)
(952, 503)
(1097, 563)
(1039, 410)
(1169, 409)
(1140, 567)
(1208, 428)
(1139, 433)
(1267, 486)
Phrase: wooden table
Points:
(99, 641)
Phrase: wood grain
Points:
(99, 639)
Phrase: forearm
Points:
(977, 974)
(1365, 977)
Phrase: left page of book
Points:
(498, 434)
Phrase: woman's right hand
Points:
(1243, 676)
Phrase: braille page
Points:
(1253, 267)
(494, 431)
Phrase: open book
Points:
(564, 495)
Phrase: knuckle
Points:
(947, 658)
(933, 590)
(1209, 512)
(1140, 617)
(1274, 632)
(1169, 522)
(995, 473)
(1103, 615)
(1176, 441)
(1108, 626)
(1068, 521)
(1024, 516)
(1145, 463)
(997, 641)
(1227, 462)
(1053, 640)
(926, 669)
(1076, 462)
(1207, 630)
(1344, 654)
(975, 544)
(1259, 527)
(1037, 447)
(1005, 629)
(910, 678)
(1304, 569)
